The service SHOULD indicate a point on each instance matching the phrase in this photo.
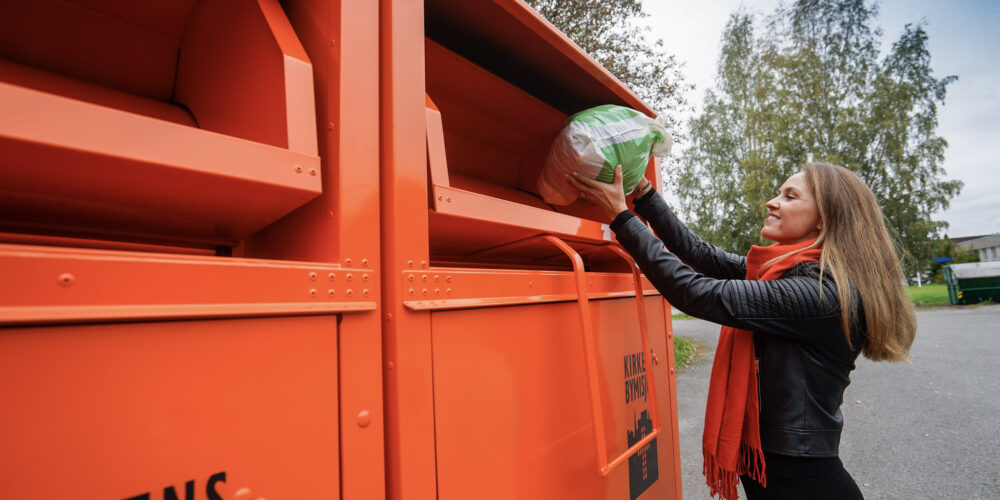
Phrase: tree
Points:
(811, 87)
(945, 247)
(729, 165)
(607, 31)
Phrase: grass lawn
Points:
(928, 295)
(684, 352)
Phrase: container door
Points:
(170, 410)
(513, 411)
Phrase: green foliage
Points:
(928, 295)
(944, 247)
(807, 84)
(608, 31)
(684, 352)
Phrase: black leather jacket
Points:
(803, 357)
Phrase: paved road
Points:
(930, 430)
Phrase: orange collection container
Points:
(254, 249)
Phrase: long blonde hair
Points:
(858, 250)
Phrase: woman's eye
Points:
(789, 197)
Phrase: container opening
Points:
(487, 142)
(501, 82)
(216, 64)
(157, 120)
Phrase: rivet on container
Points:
(423, 277)
(312, 276)
(331, 292)
(411, 291)
(424, 291)
(423, 264)
(348, 261)
(364, 418)
(364, 292)
(312, 171)
(349, 292)
(332, 276)
(312, 292)
(298, 169)
(409, 263)
(66, 279)
(410, 277)
(437, 291)
(349, 277)
(364, 277)
(364, 262)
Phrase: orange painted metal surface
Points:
(411, 467)
(189, 206)
(263, 249)
(66, 285)
(512, 405)
(606, 465)
(80, 158)
(118, 410)
(482, 285)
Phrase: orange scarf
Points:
(731, 441)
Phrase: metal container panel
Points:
(512, 409)
(132, 409)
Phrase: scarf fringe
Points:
(720, 481)
(723, 482)
(752, 463)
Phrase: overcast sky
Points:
(964, 40)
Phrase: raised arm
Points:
(789, 307)
(704, 257)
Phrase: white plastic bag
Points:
(594, 142)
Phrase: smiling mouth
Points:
(772, 217)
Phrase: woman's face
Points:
(792, 216)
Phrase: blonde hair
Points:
(857, 250)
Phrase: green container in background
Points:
(973, 282)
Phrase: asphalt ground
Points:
(928, 430)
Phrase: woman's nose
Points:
(772, 203)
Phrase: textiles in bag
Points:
(594, 142)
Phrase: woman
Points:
(796, 315)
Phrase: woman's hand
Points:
(610, 198)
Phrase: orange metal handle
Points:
(647, 360)
(590, 354)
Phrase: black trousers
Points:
(794, 478)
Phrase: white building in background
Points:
(987, 246)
